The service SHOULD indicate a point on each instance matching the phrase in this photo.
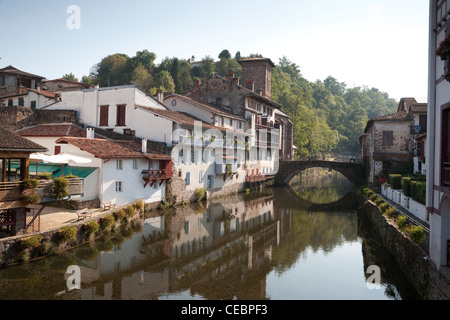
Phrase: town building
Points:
(11, 79)
(126, 171)
(438, 135)
(251, 101)
(16, 215)
(388, 143)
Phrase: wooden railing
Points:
(149, 175)
(11, 192)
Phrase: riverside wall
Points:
(430, 282)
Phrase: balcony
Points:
(11, 193)
(226, 168)
(152, 176)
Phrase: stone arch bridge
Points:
(354, 172)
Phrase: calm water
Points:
(273, 246)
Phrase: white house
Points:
(127, 171)
(438, 136)
(117, 109)
(31, 98)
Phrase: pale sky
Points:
(373, 43)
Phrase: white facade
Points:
(31, 98)
(91, 103)
(438, 191)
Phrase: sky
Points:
(373, 43)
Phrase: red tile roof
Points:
(112, 149)
(54, 130)
(10, 141)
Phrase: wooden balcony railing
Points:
(11, 192)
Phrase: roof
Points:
(44, 93)
(54, 130)
(11, 70)
(10, 141)
(112, 149)
(398, 116)
(204, 106)
(257, 60)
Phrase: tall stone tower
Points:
(257, 75)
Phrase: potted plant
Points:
(444, 53)
(444, 49)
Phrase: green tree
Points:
(142, 78)
(114, 70)
(70, 76)
(163, 81)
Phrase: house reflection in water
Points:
(214, 252)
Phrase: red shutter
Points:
(57, 149)
(104, 114)
(121, 115)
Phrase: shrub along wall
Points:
(423, 274)
(20, 249)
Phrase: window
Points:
(10, 102)
(57, 149)
(188, 178)
(21, 102)
(104, 114)
(135, 164)
(388, 138)
(210, 182)
(120, 117)
(33, 104)
(119, 164)
(119, 186)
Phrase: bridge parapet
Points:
(354, 172)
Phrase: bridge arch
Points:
(354, 172)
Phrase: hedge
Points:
(395, 181)
(406, 186)
(418, 191)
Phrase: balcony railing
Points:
(446, 177)
(149, 175)
(11, 192)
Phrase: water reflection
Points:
(320, 186)
(241, 247)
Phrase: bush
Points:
(31, 198)
(45, 175)
(378, 201)
(406, 186)
(395, 181)
(402, 222)
(107, 221)
(384, 206)
(129, 210)
(200, 194)
(61, 187)
(416, 234)
(68, 233)
(418, 191)
(119, 214)
(30, 183)
(390, 212)
(138, 205)
(31, 242)
(91, 227)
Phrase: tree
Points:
(70, 76)
(225, 54)
(144, 58)
(163, 81)
(114, 70)
(142, 78)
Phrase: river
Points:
(282, 244)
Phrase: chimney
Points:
(250, 84)
(230, 75)
(90, 133)
(21, 89)
(160, 96)
(144, 145)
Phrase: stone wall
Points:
(429, 282)
(15, 118)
